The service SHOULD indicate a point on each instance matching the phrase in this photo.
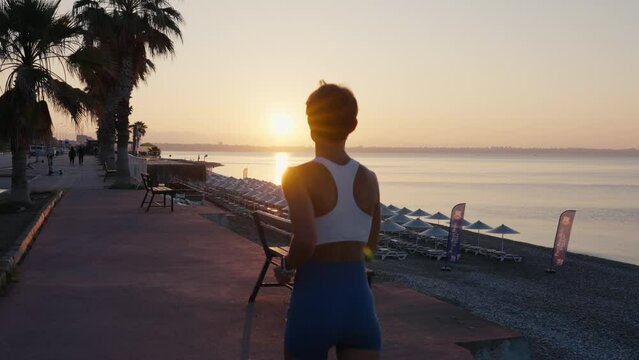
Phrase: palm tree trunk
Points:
(106, 140)
(19, 185)
(108, 125)
(134, 135)
(101, 141)
(125, 88)
(136, 142)
(124, 176)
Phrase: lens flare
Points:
(281, 164)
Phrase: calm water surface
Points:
(525, 192)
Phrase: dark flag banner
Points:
(563, 236)
(455, 232)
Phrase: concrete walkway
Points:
(105, 280)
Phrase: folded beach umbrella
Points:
(400, 219)
(263, 197)
(390, 226)
(503, 229)
(417, 224)
(439, 216)
(253, 194)
(392, 207)
(435, 232)
(230, 186)
(404, 211)
(479, 226)
(418, 213)
(271, 199)
(386, 213)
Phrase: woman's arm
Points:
(371, 245)
(302, 218)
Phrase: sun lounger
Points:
(402, 244)
(501, 255)
(506, 256)
(384, 252)
(513, 257)
(489, 252)
(431, 253)
(476, 250)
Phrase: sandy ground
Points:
(587, 310)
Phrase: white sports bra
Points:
(346, 222)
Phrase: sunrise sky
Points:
(426, 73)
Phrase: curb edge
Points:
(10, 261)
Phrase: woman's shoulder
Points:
(367, 173)
(296, 174)
(301, 171)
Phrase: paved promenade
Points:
(105, 280)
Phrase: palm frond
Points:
(68, 99)
(8, 108)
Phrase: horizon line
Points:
(243, 147)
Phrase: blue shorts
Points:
(331, 305)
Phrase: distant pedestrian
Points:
(81, 155)
(72, 155)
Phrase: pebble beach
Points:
(586, 310)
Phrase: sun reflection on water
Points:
(281, 164)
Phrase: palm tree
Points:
(142, 29)
(32, 38)
(138, 129)
(95, 64)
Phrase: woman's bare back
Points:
(318, 183)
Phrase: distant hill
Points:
(412, 150)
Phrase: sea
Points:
(527, 192)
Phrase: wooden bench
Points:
(281, 227)
(108, 171)
(155, 190)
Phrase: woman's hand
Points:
(283, 277)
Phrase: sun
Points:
(281, 124)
